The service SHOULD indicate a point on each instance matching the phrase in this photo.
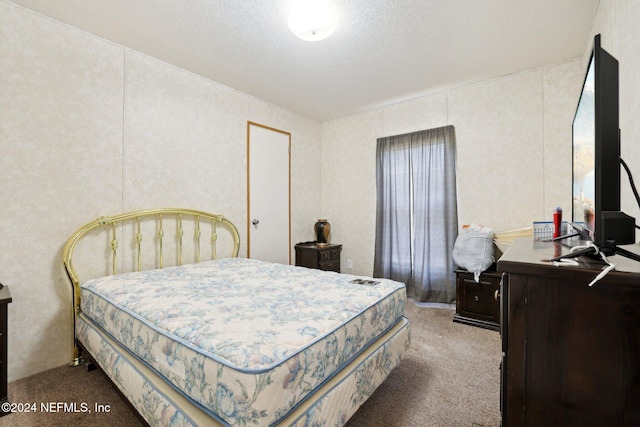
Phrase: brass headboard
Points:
(116, 223)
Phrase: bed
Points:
(193, 335)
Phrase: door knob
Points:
(255, 222)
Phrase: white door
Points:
(269, 229)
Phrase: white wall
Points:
(513, 139)
(513, 154)
(89, 128)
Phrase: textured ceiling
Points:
(383, 51)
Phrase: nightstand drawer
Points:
(329, 254)
(330, 265)
(477, 298)
(477, 303)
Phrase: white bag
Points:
(473, 249)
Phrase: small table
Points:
(322, 256)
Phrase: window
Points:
(416, 212)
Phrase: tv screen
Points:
(596, 145)
(584, 189)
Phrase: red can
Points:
(557, 222)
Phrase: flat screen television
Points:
(596, 156)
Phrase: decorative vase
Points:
(322, 229)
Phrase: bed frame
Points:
(116, 225)
(148, 239)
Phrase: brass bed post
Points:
(67, 253)
(76, 359)
(214, 239)
(180, 234)
(197, 237)
(114, 248)
(139, 243)
(160, 236)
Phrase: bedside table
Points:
(477, 304)
(320, 256)
(5, 299)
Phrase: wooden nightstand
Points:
(5, 299)
(321, 256)
(478, 304)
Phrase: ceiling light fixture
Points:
(312, 20)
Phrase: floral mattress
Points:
(246, 340)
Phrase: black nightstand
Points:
(478, 304)
(317, 255)
(5, 299)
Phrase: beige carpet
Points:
(450, 377)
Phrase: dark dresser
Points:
(5, 299)
(320, 256)
(571, 352)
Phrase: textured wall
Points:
(514, 142)
(89, 128)
(61, 145)
(513, 145)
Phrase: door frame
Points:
(249, 124)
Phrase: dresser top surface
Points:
(526, 254)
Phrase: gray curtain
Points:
(416, 212)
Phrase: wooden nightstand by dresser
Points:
(5, 299)
(478, 304)
(321, 256)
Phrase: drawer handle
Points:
(496, 295)
(476, 298)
